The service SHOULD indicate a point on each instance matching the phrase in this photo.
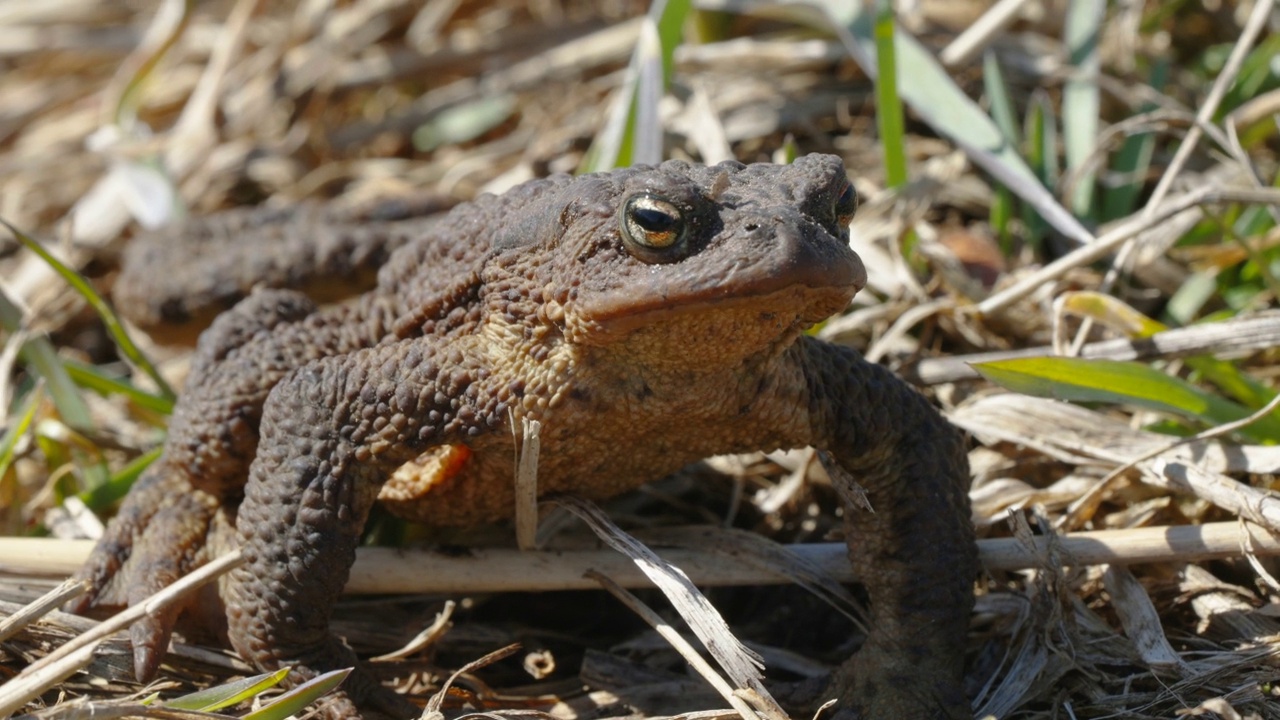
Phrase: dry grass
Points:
(101, 132)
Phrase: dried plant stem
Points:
(49, 601)
(1257, 21)
(1117, 236)
(526, 482)
(978, 35)
(1245, 501)
(394, 570)
(61, 663)
(687, 651)
(1209, 106)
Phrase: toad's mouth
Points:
(802, 289)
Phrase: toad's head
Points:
(684, 265)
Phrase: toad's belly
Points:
(590, 446)
(458, 486)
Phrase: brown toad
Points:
(655, 309)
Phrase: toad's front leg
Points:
(331, 433)
(913, 548)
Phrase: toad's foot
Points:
(165, 529)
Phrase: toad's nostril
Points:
(752, 227)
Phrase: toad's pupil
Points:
(845, 203)
(653, 220)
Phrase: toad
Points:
(647, 318)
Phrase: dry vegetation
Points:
(115, 114)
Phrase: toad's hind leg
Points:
(332, 432)
(184, 504)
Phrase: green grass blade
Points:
(9, 440)
(645, 126)
(632, 133)
(39, 354)
(1001, 218)
(109, 318)
(1081, 100)
(1111, 312)
(670, 23)
(116, 486)
(789, 151)
(130, 95)
(997, 91)
(612, 144)
(1041, 138)
(1109, 381)
(940, 103)
(889, 120)
(300, 697)
(1258, 74)
(1189, 299)
(1131, 163)
(92, 378)
(228, 694)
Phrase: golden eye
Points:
(846, 204)
(652, 222)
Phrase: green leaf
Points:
(1111, 312)
(889, 120)
(300, 697)
(1109, 381)
(465, 122)
(1042, 139)
(669, 16)
(1118, 315)
(226, 695)
(1001, 218)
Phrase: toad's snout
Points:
(782, 249)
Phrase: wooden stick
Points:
(391, 570)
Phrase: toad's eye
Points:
(846, 204)
(652, 222)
